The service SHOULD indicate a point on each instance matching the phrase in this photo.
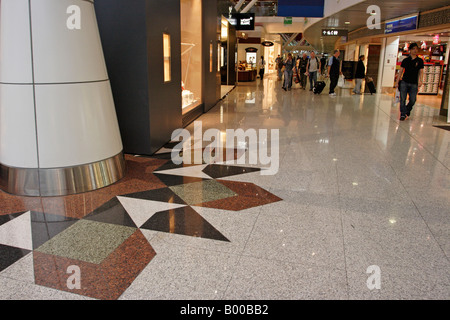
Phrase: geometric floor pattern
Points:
(106, 243)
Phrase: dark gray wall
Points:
(131, 31)
(232, 49)
(165, 98)
(211, 32)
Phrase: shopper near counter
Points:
(261, 65)
(409, 80)
(359, 75)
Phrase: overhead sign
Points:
(287, 20)
(267, 43)
(251, 49)
(334, 32)
(400, 25)
(242, 21)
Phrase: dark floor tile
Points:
(112, 212)
(170, 165)
(443, 127)
(219, 171)
(248, 189)
(10, 255)
(162, 194)
(185, 221)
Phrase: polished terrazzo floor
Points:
(355, 188)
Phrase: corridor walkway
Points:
(359, 208)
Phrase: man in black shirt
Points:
(411, 73)
(334, 70)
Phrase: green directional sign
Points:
(287, 20)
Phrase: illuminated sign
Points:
(400, 25)
(267, 43)
(251, 49)
(334, 32)
(242, 21)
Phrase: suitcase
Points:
(371, 87)
(318, 88)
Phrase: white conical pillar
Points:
(58, 127)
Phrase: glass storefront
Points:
(191, 54)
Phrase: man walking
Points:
(279, 64)
(289, 65)
(261, 65)
(334, 70)
(301, 67)
(411, 75)
(312, 68)
(359, 75)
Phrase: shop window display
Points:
(167, 61)
(191, 54)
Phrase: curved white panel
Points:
(76, 123)
(15, 45)
(17, 126)
(62, 54)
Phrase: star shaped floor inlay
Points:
(103, 232)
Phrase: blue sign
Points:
(301, 8)
(401, 25)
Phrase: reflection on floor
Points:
(355, 189)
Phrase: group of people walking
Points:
(407, 83)
(299, 69)
(302, 68)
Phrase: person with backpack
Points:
(312, 68)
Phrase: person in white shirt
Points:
(312, 68)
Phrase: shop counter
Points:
(246, 75)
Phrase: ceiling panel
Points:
(357, 16)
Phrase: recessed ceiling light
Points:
(347, 22)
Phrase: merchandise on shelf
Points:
(431, 79)
(187, 98)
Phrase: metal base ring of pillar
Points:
(62, 181)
